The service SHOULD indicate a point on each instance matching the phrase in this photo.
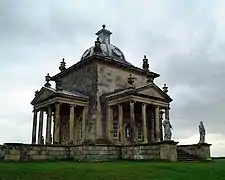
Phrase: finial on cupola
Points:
(130, 80)
(145, 65)
(62, 66)
(47, 79)
(165, 88)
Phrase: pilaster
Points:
(109, 122)
(84, 115)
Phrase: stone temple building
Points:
(102, 108)
(102, 99)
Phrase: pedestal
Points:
(168, 150)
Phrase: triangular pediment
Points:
(153, 91)
(43, 94)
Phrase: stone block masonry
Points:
(166, 150)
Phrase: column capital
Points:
(144, 104)
(34, 110)
(58, 102)
(132, 101)
(72, 105)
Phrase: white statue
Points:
(201, 132)
(167, 130)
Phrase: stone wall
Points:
(201, 151)
(111, 78)
(95, 153)
(161, 150)
(26, 152)
(142, 152)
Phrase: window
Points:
(139, 131)
(115, 129)
(127, 131)
(81, 132)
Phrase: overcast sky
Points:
(183, 40)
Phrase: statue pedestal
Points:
(168, 150)
(203, 151)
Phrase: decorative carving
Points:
(47, 79)
(145, 65)
(167, 130)
(201, 132)
(62, 66)
(131, 80)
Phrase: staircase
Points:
(185, 157)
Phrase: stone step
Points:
(185, 157)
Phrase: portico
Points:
(135, 117)
(66, 118)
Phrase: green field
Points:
(112, 170)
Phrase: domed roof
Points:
(104, 48)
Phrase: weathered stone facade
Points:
(102, 108)
(26, 152)
(102, 99)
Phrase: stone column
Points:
(34, 127)
(157, 128)
(84, 115)
(144, 124)
(121, 133)
(132, 122)
(57, 123)
(40, 128)
(109, 123)
(71, 124)
(48, 126)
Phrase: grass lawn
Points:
(112, 170)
